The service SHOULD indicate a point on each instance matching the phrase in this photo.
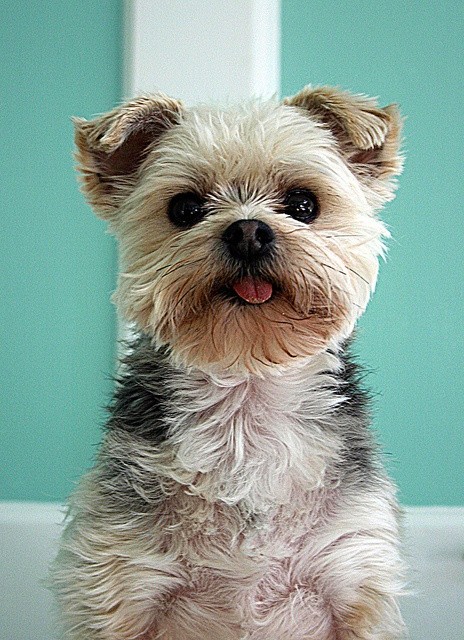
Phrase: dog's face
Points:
(248, 236)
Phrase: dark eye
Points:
(185, 210)
(302, 205)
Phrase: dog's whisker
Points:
(359, 276)
(182, 265)
(329, 266)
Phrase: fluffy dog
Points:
(238, 493)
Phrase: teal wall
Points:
(410, 52)
(57, 265)
(57, 342)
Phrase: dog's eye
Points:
(185, 210)
(301, 204)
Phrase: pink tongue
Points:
(253, 290)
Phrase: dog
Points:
(238, 493)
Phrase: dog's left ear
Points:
(368, 136)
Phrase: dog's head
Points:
(249, 237)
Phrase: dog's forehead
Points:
(245, 142)
(263, 125)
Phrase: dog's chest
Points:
(253, 476)
(247, 568)
(215, 534)
(252, 443)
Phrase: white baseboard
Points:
(29, 533)
(434, 546)
(434, 550)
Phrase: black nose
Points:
(248, 238)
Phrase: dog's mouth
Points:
(253, 290)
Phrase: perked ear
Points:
(111, 148)
(369, 136)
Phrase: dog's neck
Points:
(249, 440)
(255, 442)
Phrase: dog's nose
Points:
(248, 238)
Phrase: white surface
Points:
(434, 544)
(29, 534)
(201, 50)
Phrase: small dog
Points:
(238, 493)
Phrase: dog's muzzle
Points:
(249, 242)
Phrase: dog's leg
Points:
(111, 579)
(106, 596)
(361, 570)
(114, 598)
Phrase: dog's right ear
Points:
(111, 148)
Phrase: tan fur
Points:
(369, 136)
(110, 148)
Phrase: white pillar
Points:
(202, 50)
